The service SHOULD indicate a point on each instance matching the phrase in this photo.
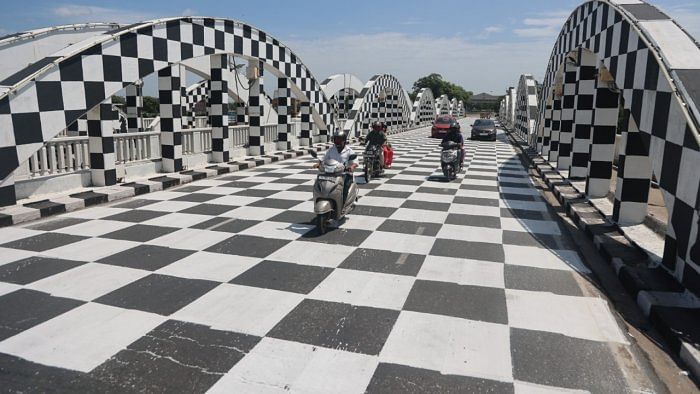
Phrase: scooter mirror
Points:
(313, 154)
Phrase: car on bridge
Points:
(484, 128)
(442, 125)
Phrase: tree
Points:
(439, 86)
(151, 106)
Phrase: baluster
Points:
(69, 157)
(86, 154)
(34, 164)
(52, 159)
(61, 157)
(134, 146)
(78, 152)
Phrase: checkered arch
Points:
(48, 99)
(526, 106)
(342, 91)
(197, 95)
(654, 65)
(442, 105)
(423, 111)
(381, 99)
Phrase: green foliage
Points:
(151, 106)
(439, 87)
(119, 100)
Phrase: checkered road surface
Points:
(223, 285)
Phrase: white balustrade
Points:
(197, 140)
(131, 147)
(270, 132)
(60, 155)
(238, 135)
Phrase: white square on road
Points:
(364, 289)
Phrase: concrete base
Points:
(196, 160)
(138, 170)
(35, 187)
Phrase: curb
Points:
(23, 213)
(671, 309)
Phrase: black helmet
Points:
(455, 127)
(339, 140)
(377, 126)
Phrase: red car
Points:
(441, 126)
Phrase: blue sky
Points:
(481, 45)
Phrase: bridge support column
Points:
(256, 138)
(7, 191)
(283, 114)
(583, 114)
(240, 113)
(633, 176)
(602, 147)
(553, 146)
(305, 132)
(134, 107)
(218, 111)
(544, 131)
(169, 93)
(103, 169)
(567, 116)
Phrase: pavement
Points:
(223, 285)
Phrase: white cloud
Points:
(189, 12)
(546, 24)
(74, 13)
(488, 31)
(476, 66)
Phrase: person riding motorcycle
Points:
(377, 137)
(455, 135)
(341, 152)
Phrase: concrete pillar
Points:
(169, 93)
(553, 146)
(218, 109)
(567, 116)
(633, 176)
(583, 114)
(103, 169)
(283, 114)
(240, 113)
(602, 147)
(7, 191)
(305, 125)
(256, 138)
(134, 107)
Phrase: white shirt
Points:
(342, 157)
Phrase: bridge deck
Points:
(224, 284)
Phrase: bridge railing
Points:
(132, 147)
(238, 136)
(196, 140)
(58, 156)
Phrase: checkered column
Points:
(552, 149)
(240, 113)
(169, 84)
(103, 169)
(305, 125)
(566, 126)
(381, 110)
(583, 114)
(633, 176)
(544, 136)
(283, 114)
(186, 109)
(7, 191)
(218, 111)
(134, 107)
(602, 147)
(256, 137)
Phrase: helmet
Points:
(455, 127)
(377, 126)
(339, 140)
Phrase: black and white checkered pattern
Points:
(631, 40)
(39, 107)
(423, 111)
(197, 96)
(218, 109)
(633, 176)
(526, 107)
(134, 107)
(224, 285)
(586, 72)
(442, 105)
(284, 118)
(169, 91)
(255, 111)
(101, 141)
(510, 110)
(602, 148)
(568, 111)
(368, 107)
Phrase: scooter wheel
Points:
(368, 175)
(322, 223)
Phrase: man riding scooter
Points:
(377, 137)
(455, 135)
(341, 152)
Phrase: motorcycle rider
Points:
(455, 135)
(341, 152)
(377, 137)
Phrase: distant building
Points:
(484, 99)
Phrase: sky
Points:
(483, 46)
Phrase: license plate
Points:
(326, 178)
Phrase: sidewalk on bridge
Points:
(671, 308)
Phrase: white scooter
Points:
(328, 192)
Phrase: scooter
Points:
(328, 192)
(371, 161)
(450, 160)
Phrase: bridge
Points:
(176, 251)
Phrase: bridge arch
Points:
(423, 112)
(442, 105)
(45, 98)
(634, 57)
(526, 106)
(381, 99)
(342, 90)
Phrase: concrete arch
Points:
(442, 105)
(46, 97)
(423, 108)
(654, 64)
(342, 91)
(526, 106)
(395, 110)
